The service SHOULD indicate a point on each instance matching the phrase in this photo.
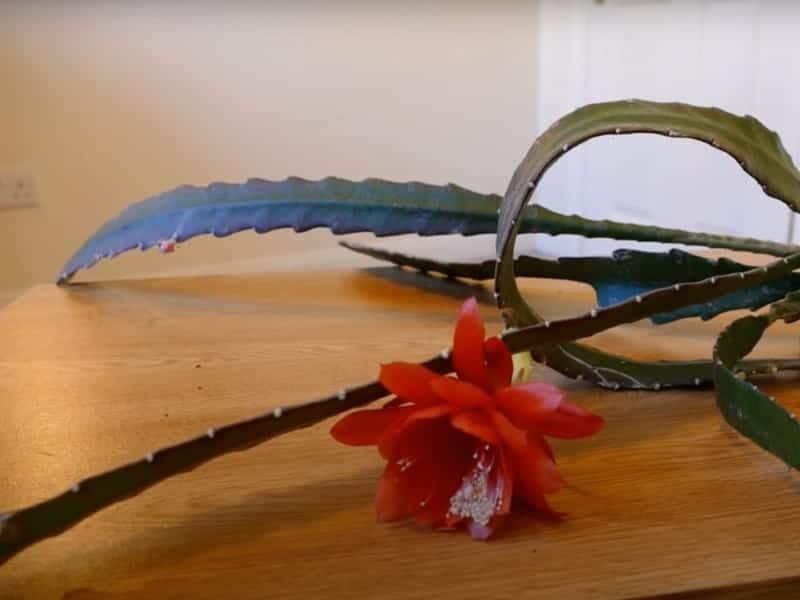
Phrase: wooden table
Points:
(666, 500)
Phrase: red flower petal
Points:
(392, 434)
(570, 422)
(525, 405)
(410, 382)
(539, 407)
(536, 438)
(468, 358)
(365, 427)
(390, 504)
(476, 424)
(461, 394)
(425, 468)
(534, 470)
(498, 362)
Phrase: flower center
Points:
(481, 490)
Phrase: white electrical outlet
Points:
(17, 189)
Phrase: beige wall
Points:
(111, 102)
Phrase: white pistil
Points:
(474, 499)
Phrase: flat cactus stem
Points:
(553, 223)
(757, 150)
(479, 271)
(662, 300)
(624, 275)
(750, 411)
(586, 362)
(546, 339)
(22, 528)
(221, 209)
(381, 207)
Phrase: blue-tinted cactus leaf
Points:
(373, 205)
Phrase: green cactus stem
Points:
(757, 150)
(749, 410)
(553, 223)
(621, 276)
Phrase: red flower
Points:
(458, 449)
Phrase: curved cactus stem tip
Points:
(757, 150)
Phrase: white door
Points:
(740, 55)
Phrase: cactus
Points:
(626, 274)
(749, 410)
(757, 150)
(630, 286)
(381, 207)
(553, 223)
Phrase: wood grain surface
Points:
(668, 501)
